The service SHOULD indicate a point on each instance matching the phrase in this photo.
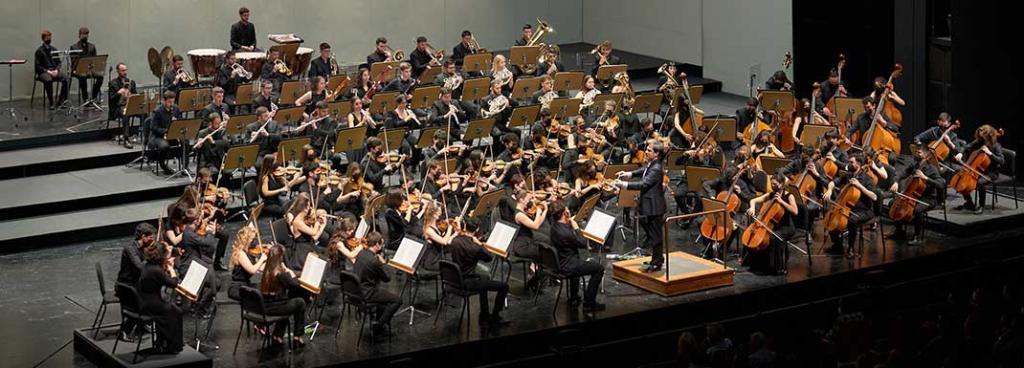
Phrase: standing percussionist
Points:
(652, 201)
(243, 33)
(118, 91)
(87, 49)
(48, 71)
(325, 65)
(229, 77)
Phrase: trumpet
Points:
(184, 76)
(282, 68)
(436, 55)
(236, 67)
(394, 55)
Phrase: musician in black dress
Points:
(88, 49)
(772, 260)
(159, 273)
(283, 296)
(48, 70)
(162, 117)
(229, 78)
(369, 266)
(118, 91)
(466, 251)
(863, 210)
(651, 208)
(986, 141)
(567, 239)
(247, 259)
(778, 82)
(325, 65)
(243, 33)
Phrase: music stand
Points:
(190, 100)
(183, 131)
(721, 217)
(500, 238)
(237, 124)
(848, 108)
(611, 171)
(477, 62)
(524, 115)
(675, 160)
(523, 88)
(290, 91)
(240, 158)
(568, 81)
(388, 68)
(697, 175)
(523, 55)
(372, 207)
(599, 226)
(427, 137)
(350, 139)
(289, 115)
(565, 107)
(478, 129)
(86, 67)
(291, 149)
(607, 72)
(696, 92)
(383, 102)
(244, 94)
(392, 138)
(777, 100)
(407, 259)
(335, 80)
(488, 201)
(771, 165)
(813, 133)
(135, 106)
(600, 99)
(726, 130)
(424, 97)
(476, 88)
(649, 103)
(588, 206)
(429, 73)
(339, 110)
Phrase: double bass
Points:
(966, 179)
(831, 103)
(877, 137)
(694, 120)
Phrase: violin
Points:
(287, 171)
(757, 235)
(220, 193)
(259, 249)
(966, 179)
(317, 215)
(353, 243)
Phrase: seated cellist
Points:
(924, 167)
(863, 209)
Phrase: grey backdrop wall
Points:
(726, 37)
(126, 29)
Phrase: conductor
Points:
(651, 208)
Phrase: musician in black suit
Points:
(266, 97)
(48, 71)
(118, 91)
(216, 106)
(87, 49)
(379, 54)
(324, 65)
(269, 72)
(228, 78)
(527, 35)
(603, 56)
(651, 202)
(466, 47)
(370, 269)
(266, 131)
(420, 58)
(445, 109)
(161, 122)
(243, 33)
(174, 78)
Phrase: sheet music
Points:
(362, 228)
(501, 236)
(313, 270)
(599, 224)
(194, 278)
(408, 252)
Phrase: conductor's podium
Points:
(686, 273)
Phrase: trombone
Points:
(394, 55)
(436, 55)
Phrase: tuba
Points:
(543, 29)
(475, 46)
(282, 68)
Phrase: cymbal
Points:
(155, 62)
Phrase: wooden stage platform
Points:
(684, 273)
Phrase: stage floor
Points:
(49, 292)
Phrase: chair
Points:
(131, 310)
(549, 267)
(352, 295)
(1007, 175)
(35, 82)
(254, 311)
(876, 220)
(144, 158)
(250, 194)
(106, 298)
(452, 284)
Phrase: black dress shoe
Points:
(917, 240)
(124, 336)
(653, 267)
(593, 307)
(166, 170)
(128, 144)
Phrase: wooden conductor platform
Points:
(687, 274)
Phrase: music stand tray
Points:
(523, 88)
(611, 171)
(697, 175)
(339, 110)
(601, 98)
(813, 133)
(244, 94)
(771, 165)
(237, 124)
(848, 108)
(289, 115)
(478, 129)
(380, 67)
(781, 100)
(476, 88)
(477, 62)
(424, 97)
(726, 130)
(523, 55)
(487, 203)
(184, 130)
(290, 91)
(696, 92)
(606, 72)
(649, 103)
(429, 73)
(335, 80)
(350, 139)
(291, 149)
(136, 105)
(427, 136)
(241, 158)
(524, 115)
(675, 160)
(587, 207)
(565, 107)
(382, 102)
(190, 100)
(392, 138)
(568, 81)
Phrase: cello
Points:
(902, 207)
(877, 137)
(756, 236)
(716, 230)
(966, 179)
(939, 147)
(838, 217)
